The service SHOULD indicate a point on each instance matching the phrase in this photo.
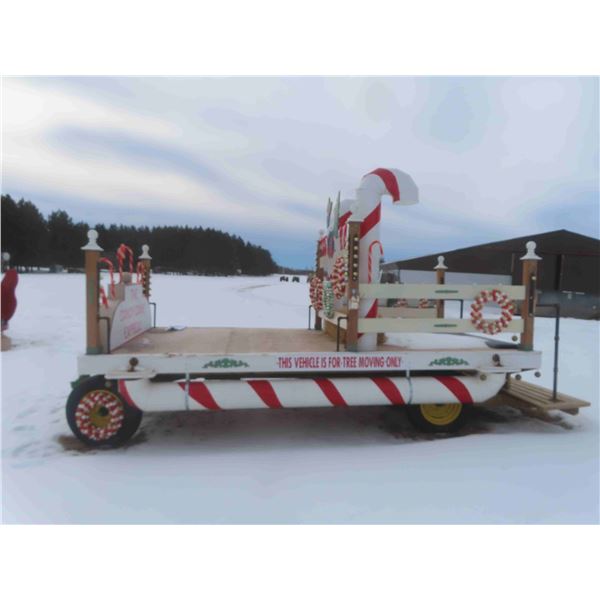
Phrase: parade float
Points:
(343, 359)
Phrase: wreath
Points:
(328, 299)
(492, 326)
(316, 293)
(339, 276)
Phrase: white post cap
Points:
(531, 255)
(5, 256)
(92, 241)
(440, 264)
(144, 254)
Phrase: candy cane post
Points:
(111, 272)
(122, 252)
(373, 186)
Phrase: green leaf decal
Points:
(225, 363)
(448, 361)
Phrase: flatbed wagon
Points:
(346, 359)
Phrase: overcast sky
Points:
(493, 158)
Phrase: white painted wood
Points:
(406, 312)
(531, 255)
(92, 241)
(440, 264)
(131, 317)
(435, 291)
(426, 326)
(316, 363)
(131, 375)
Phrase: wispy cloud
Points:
(493, 157)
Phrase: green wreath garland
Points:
(328, 299)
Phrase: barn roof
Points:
(497, 257)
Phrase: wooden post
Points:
(319, 273)
(530, 267)
(92, 284)
(440, 278)
(352, 287)
(145, 259)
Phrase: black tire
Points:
(99, 416)
(452, 417)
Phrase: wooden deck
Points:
(228, 340)
(536, 400)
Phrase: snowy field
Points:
(359, 465)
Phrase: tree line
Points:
(35, 241)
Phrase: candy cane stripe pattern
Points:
(99, 415)
(316, 293)
(373, 186)
(371, 246)
(339, 277)
(122, 252)
(492, 326)
(111, 272)
(308, 392)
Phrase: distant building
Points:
(569, 272)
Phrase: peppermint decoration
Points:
(339, 276)
(316, 293)
(492, 326)
(99, 415)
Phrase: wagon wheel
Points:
(99, 416)
(438, 418)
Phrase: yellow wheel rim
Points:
(441, 414)
(100, 416)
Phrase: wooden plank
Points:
(425, 326)
(525, 387)
(434, 291)
(406, 312)
(529, 397)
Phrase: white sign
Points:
(131, 317)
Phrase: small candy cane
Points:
(111, 271)
(122, 251)
(370, 263)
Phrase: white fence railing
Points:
(433, 291)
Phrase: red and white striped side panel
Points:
(314, 392)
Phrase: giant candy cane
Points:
(373, 186)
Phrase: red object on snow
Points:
(9, 299)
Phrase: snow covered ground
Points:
(360, 465)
